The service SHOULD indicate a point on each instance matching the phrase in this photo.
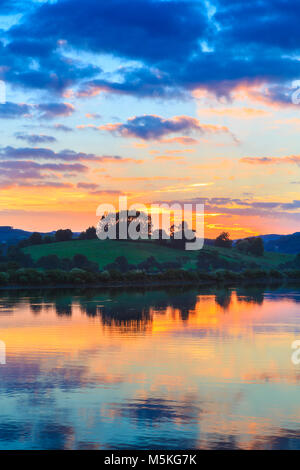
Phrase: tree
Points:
(257, 247)
(80, 261)
(18, 256)
(223, 240)
(49, 262)
(110, 224)
(297, 260)
(63, 235)
(88, 234)
(252, 246)
(48, 239)
(35, 239)
(122, 263)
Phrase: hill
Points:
(283, 243)
(11, 236)
(105, 252)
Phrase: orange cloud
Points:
(244, 112)
(180, 140)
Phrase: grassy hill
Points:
(104, 252)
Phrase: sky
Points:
(157, 100)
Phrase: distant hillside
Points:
(289, 244)
(105, 252)
(10, 235)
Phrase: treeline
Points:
(61, 235)
(76, 276)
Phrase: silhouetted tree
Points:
(63, 235)
(223, 240)
(35, 239)
(88, 234)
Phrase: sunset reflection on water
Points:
(149, 369)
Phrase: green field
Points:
(104, 252)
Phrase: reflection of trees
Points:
(251, 295)
(128, 320)
(223, 298)
(132, 307)
(36, 309)
(63, 307)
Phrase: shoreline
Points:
(150, 284)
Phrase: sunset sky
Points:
(159, 100)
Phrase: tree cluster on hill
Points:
(251, 246)
(37, 238)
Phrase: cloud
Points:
(218, 46)
(62, 127)
(52, 110)
(36, 153)
(152, 30)
(10, 110)
(35, 138)
(227, 206)
(293, 159)
(46, 184)
(260, 23)
(102, 192)
(180, 140)
(90, 186)
(239, 113)
(93, 116)
(151, 127)
(9, 7)
(138, 81)
(27, 170)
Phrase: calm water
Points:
(149, 369)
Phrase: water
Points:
(150, 369)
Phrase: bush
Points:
(227, 275)
(57, 276)
(4, 278)
(79, 276)
(115, 275)
(104, 276)
(49, 262)
(173, 274)
(293, 274)
(81, 261)
(275, 274)
(254, 274)
(136, 275)
(27, 276)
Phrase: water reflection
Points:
(178, 368)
